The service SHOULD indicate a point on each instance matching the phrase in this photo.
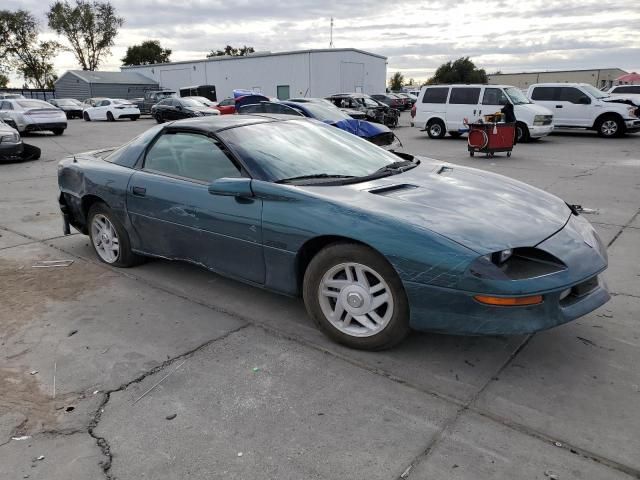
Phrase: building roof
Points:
(629, 77)
(556, 71)
(125, 78)
(258, 55)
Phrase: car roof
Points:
(560, 84)
(217, 123)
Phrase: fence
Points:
(39, 93)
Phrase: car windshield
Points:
(325, 113)
(516, 96)
(594, 92)
(295, 148)
(33, 104)
(189, 102)
(165, 94)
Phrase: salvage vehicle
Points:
(353, 113)
(626, 92)
(28, 115)
(178, 108)
(150, 99)
(70, 106)
(376, 133)
(12, 148)
(272, 108)
(390, 100)
(375, 111)
(111, 109)
(580, 105)
(374, 241)
(443, 109)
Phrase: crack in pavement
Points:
(102, 442)
(624, 227)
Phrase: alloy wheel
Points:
(105, 238)
(355, 299)
(609, 128)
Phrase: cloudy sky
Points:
(416, 36)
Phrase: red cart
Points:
(490, 138)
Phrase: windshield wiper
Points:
(311, 177)
(397, 167)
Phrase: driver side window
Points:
(189, 155)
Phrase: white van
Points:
(443, 108)
(580, 105)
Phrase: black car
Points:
(70, 106)
(375, 111)
(177, 108)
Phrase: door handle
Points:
(558, 106)
(139, 191)
(474, 112)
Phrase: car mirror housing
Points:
(231, 187)
(584, 100)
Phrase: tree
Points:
(21, 51)
(396, 82)
(462, 70)
(4, 81)
(90, 27)
(146, 53)
(232, 52)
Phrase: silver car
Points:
(10, 143)
(29, 115)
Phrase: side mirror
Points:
(584, 100)
(231, 187)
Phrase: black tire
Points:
(436, 128)
(158, 118)
(471, 154)
(335, 254)
(110, 117)
(135, 117)
(126, 258)
(610, 126)
(58, 131)
(455, 134)
(86, 117)
(522, 133)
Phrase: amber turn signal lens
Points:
(509, 301)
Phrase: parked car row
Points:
(443, 109)
(31, 115)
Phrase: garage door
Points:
(351, 77)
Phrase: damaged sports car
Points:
(375, 242)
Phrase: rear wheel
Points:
(356, 297)
(522, 133)
(135, 117)
(109, 237)
(158, 118)
(610, 126)
(436, 129)
(110, 117)
(86, 117)
(58, 131)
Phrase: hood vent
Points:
(388, 189)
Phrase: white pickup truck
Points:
(580, 105)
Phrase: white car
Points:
(627, 92)
(29, 115)
(580, 105)
(111, 109)
(443, 109)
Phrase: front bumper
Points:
(632, 126)
(11, 151)
(539, 131)
(435, 309)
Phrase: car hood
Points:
(361, 128)
(483, 211)
(628, 98)
(535, 109)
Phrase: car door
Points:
(574, 107)
(493, 99)
(5, 112)
(463, 103)
(175, 216)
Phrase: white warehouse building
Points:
(310, 73)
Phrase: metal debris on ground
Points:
(255, 369)
(95, 392)
(72, 333)
(551, 475)
(405, 474)
(172, 416)
(23, 437)
(239, 454)
(41, 457)
(557, 444)
(52, 263)
(33, 372)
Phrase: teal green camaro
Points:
(376, 242)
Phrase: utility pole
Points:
(331, 37)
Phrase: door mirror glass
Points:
(231, 187)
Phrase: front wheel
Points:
(135, 117)
(436, 129)
(356, 297)
(86, 117)
(58, 131)
(109, 237)
(158, 118)
(522, 133)
(610, 126)
(110, 117)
